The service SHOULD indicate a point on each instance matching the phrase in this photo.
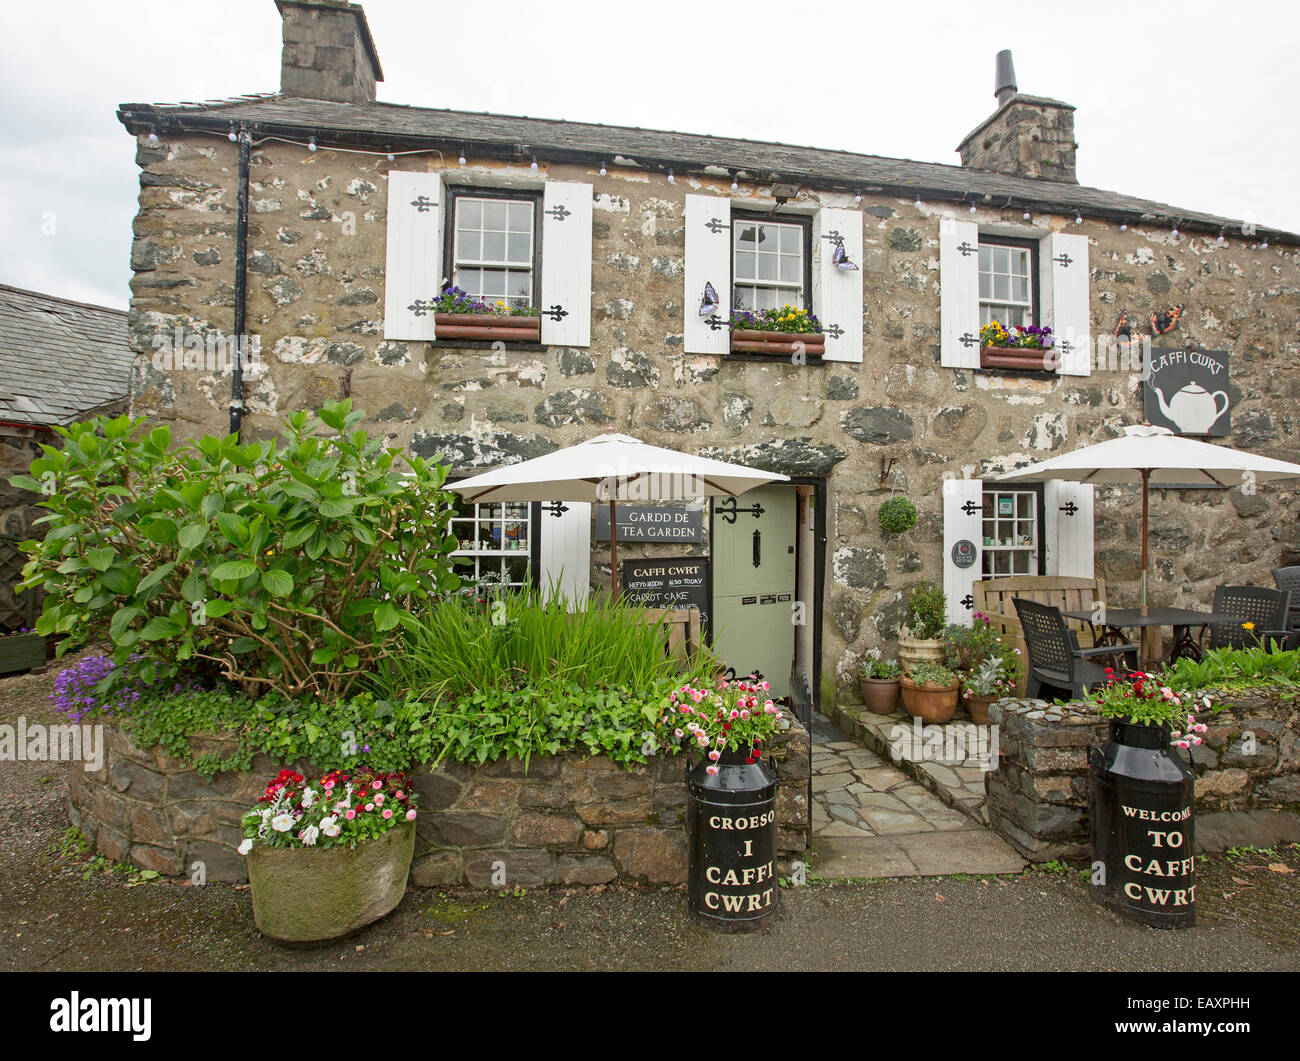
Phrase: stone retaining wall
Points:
(566, 819)
(1038, 796)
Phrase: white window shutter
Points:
(708, 261)
(413, 259)
(564, 545)
(959, 294)
(1068, 526)
(963, 521)
(837, 293)
(1070, 317)
(566, 264)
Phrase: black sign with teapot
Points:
(1187, 391)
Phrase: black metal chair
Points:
(1266, 609)
(1288, 578)
(1055, 658)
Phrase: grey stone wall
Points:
(564, 819)
(1028, 137)
(317, 239)
(1038, 795)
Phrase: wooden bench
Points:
(993, 600)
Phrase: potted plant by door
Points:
(328, 857)
(920, 639)
(1142, 802)
(459, 315)
(982, 686)
(878, 681)
(783, 331)
(930, 692)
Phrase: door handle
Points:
(758, 548)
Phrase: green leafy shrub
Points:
(897, 515)
(932, 674)
(926, 612)
(1237, 670)
(290, 564)
(883, 669)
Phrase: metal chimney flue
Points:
(1004, 80)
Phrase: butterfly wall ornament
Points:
(840, 259)
(710, 302)
(1166, 320)
(1124, 330)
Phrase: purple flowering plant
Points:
(454, 299)
(785, 319)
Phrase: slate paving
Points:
(870, 819)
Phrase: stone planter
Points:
(880, 694)
(743, 341)
(1018, 357)
(21, 652)
(914, 650)
(304, 895)
(488, 326)
(934, 704)
(978, 706)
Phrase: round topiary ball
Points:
(897, 515)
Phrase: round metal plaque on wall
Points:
(964, 553)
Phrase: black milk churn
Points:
(1142, 811)
(731, 881)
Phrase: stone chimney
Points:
(1027, 136)
(328, 52)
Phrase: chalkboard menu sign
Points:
(652, 523)
(679, 582)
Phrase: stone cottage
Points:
(320, 225)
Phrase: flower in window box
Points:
(1023, 346)
(460, 315)
(783, 331)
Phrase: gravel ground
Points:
(62, 910)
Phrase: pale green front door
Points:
(754, 582)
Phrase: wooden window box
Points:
(813, 344)
(488, 326)
(1018, 357)
(21, 652)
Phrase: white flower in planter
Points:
(330, 825)
(282, 822)
(308, 797)
(245, 847)
(309, 836)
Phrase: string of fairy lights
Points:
(391, 155)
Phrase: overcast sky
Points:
(1192, 103)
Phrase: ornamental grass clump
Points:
(736, 716)
(342, 809)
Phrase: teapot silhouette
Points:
(1193, 410)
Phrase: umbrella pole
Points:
(1146, 482)
(613, 549)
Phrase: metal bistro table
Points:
(1114, 621)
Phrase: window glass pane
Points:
(764, 237)
(789, 268)
(520, 286)
(468, 245)
(521, 217)
(745, 265)
(766, 267)
(1020, 262)
(469, 280)
(765, 298)
(469, 213)
(494, 283)
(494, 215)
(520, 247)
(1019, 288)
(746, 237)
(790, 240)
(986, 259)
(986, 287)
(1001, 286)
(1001, 260)
(743, 298)
(494, 246)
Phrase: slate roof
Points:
(59, 360)
(390, 125)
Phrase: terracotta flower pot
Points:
(978, 706)
(914, 650)
(934, 704)
(1019, 357)
(488, 326)
(306, 894)
(880, 694)
(813, 344)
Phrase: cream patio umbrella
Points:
(1155, 456)
(611, 468)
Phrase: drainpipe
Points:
(241, 285)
